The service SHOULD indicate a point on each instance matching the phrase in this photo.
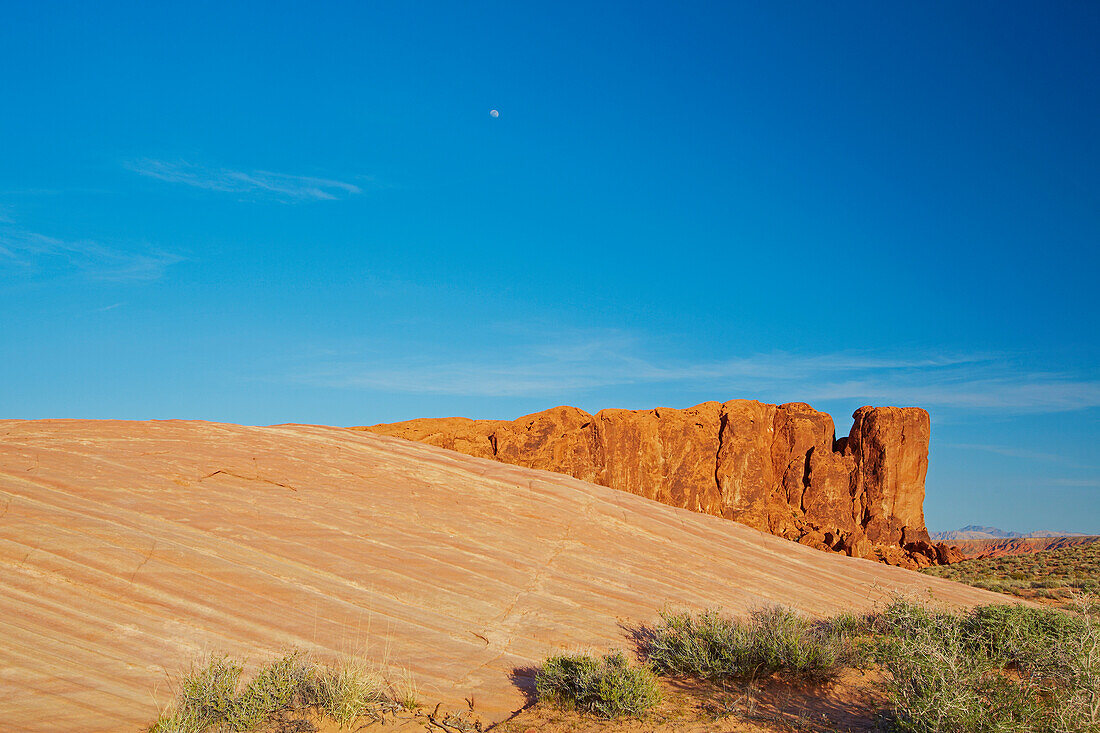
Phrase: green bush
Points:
(285, 683)
(906, 618)
(992, 669)
(607, 687)
(1031, 639)
(937, 683)
(715, 647)
(207, 694)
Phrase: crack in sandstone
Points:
(144, 560)
(534, 584)
(723, 420)
(247, 478)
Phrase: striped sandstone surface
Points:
(130, 548)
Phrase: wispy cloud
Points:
(1025, 455)
(562, 367)
(28, 251)
(1008, 451)
(1076, 482)
(281, 186)
(982, 389)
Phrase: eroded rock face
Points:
(778, 468)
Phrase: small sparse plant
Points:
(406, 692)
(179, 721)
(205, 698)
(608, 687)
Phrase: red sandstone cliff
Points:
(778, 468)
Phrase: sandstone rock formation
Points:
(778, 468)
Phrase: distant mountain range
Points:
(975, 532)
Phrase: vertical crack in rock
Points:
(806, 471)
(723, 420)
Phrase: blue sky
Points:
(264, 213)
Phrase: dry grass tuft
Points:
(211, 696)
(406, 692)
(349, 691)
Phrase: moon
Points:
(494, 113)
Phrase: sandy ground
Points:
(129, 549)
(846, 704)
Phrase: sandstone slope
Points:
(129, 548)
(778, 468)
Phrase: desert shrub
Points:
(607, 687)
(209, 697)
(1079, 707)
(207, 693)
(938, 684)
(905, 617)
(990, 669)
(845, 625)
(277, 686)
(716, 647)
(1032, 639)
(705, 645)
(787, 642)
